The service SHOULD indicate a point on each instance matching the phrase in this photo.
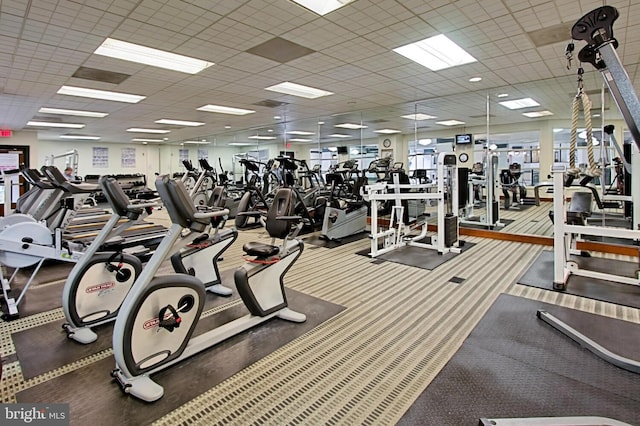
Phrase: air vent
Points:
(270, 103)
(550, 35)
(100, 75)
(280, 50)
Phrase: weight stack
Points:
(450, 230)
(495, 211)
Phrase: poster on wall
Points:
(100, 157)
(10, 161)
(183, 154)
(128, 157)
(203, 153)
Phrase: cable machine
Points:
(596, 28)
(398, 234)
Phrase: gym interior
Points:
(319, 212)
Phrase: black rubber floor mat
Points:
(540, 274)
(90, 390)
(514, 365)
(417, 257)
(321, 242)
(471, 225)
(51, 340)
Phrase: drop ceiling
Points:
(45, 44)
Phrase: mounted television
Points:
(343, 150)
(464, 139)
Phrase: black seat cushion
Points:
(261, 250)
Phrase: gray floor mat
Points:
(540, 274)
(514, 365)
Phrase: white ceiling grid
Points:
(43, 42)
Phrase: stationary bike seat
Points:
(253, 248)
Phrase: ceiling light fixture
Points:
(196, 143)
(147, 140)
(84, 92)
(76, 113)
(241, 144)
(351, 126)
(418, 116)
(141, 130)
(80, 137)
(300, 133)
(475, 79)
(225, 110)
(179, 122)
(436, 53)
(503, 95)
(339, 135)
(519, 103)
(450, 122)
(149, 56)
(322, 7)
(387, 131)
(537, 114)
(262, 138)
(54, 124)
(300, 140)
(299, 90)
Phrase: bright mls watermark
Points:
(34, 414)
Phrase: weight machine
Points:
(398, 232)
(596, 28)
(488, 180)
(71, 160)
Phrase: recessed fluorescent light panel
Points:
(80, 137)
(475, 79)
(60, 125)
(148, 56)
(195, 143)
(83, 92)
(436, 53)
(294, 89)
(179, 122)
(262, 138)
(225, 110)
(418, 117)
(300, 133)
(146, 140)
(300, 140)
(339, 135)
(503, 95)
(537, 114)
(387, 131)
(351, 126)
(322, 7)
(519, 103)
(76, 113)
(139, 130)
(450, 122)
(241, 144)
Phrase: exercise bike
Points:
(154, 327)
(98, 285)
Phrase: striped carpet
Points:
(366, 365)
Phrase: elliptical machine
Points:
(154, 327)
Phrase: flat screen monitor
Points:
(343, 150)
(464, 139)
